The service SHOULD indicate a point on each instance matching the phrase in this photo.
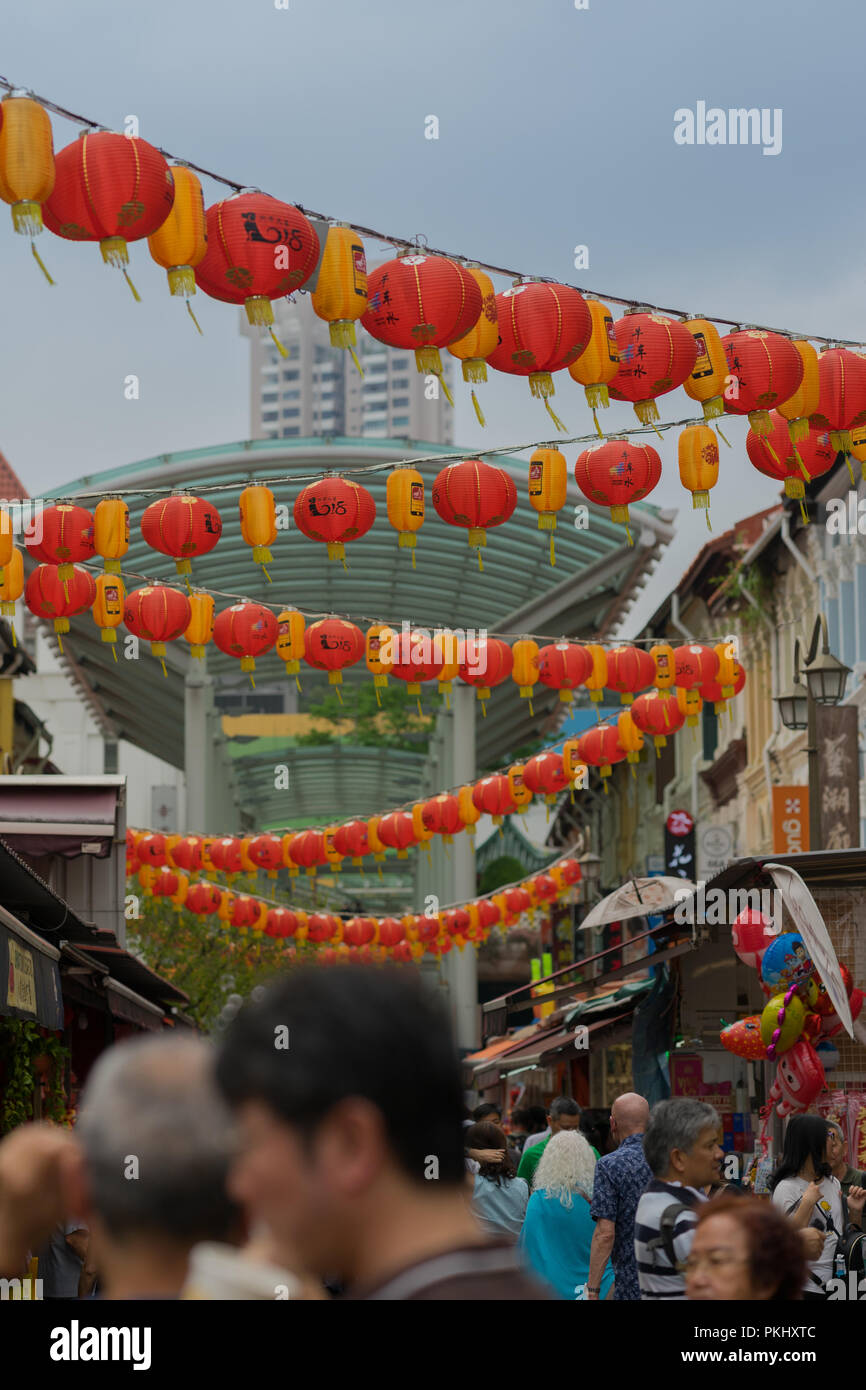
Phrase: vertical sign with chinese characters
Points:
(838, 776)
(790, 820)
(680, 845)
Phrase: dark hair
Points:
(520, 1120)
(563, 1105)
(595, 1126)
(481, 1112)
(776, 1255)
(378, 1034)
(536, 1118)
(485, 1135)
(805, 1137)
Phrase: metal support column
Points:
(462, 965)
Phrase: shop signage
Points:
(838, 776)
(790, 820)
(715, 849)
(680, 845)
(21, 988)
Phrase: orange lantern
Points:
(404, 492)
(665, 663)
(599, 362)
(492, 665)
(524, 672)
(199, 629)
(181, 526)
(543, 328)
(447, 645)
(480, 341)
(340, 296)
(112, 189)
(520, 793)
(563, 666)
(181, 242)
(378, 654)
(727, 671)
(469, 812)
(596, 681)
(27, 171)
(245, 631)
(548, 483)
(617, 473)
(259, 523)
(656, 355)
(690, 704)
(658, 714)
(7, 540)
(423, 834)
(422, 302)
(699, 465)
(290, 641)
(111, 532)
(706, 381)
(334, 510)
(108, 606)
(575, 769)
(332, 644)
(804, 402)
(630, 737)
(765, 368)
(376, 845)
(474, 495)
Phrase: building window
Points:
(400, 420)
(290, 374)
(290, 430)
(292, 412)
(109, 756)
(400, 400)
(268, 415)
(269, 397)
(400, 383)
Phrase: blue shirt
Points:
(555, 1243)
(501, 1207)
(620, 1179)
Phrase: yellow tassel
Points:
(772, 452)
(378, 697)
(136, 296)
(480, 561)
(478, 411)
(552, 551)
(38, 260)
(420, 711)
(804, 514)
(628, 533)
(803, 468)
(114, 652)
(721, 436)
(554, 417)
(59, 642)
(339, 696)
(448, 396)
(252, 680)
(189, 310)
(850, 469)
(447, 700)
(298, 682)
(354, 357)
(531, 710)
(598, 429)
(162, 664)
(280, 349)
(707, 514)
(14, 635)
(381, 875)
(413, 559)
(483, 709)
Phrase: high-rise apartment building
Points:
(317, 389)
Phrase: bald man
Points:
(620, 1178)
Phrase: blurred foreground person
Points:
(743, 1248)
(347, 1087)
(155, 1141)
(557, 1234)
(499, 1197)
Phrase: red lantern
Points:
(776, 456)
(48, 596)
(244, 911)
(166, 884)
(187, 854)
(359, 931)
(332, 644)
(474, 495)
(397, 832)
(488, 913)
(563, 666)
(570, 871)
(600, 747)
(334, 510)
(545, 775)
(281, 923)
(112, 189)
(656, 355)
(841, 397)
(151, 850)
(157, 614)
(617, 473)
(629, 669)
(351, 840)
(225, 855)
(543, 328)
(391, 932)
(66, 538)
(492, 796)
(545, 888)
(181, 526)
(694, 666)
(657, 713)
(712, 690)
(422, 302)
(322, 926)
(517, 900)
(246, 630)
(441, 814)
(492, 663)
(417, 659)
(203, 899)
(258, 249)
(307, 850)
(402, 953)
(456, 922)
(766, 369)
(266, 852)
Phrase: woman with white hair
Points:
(557, 1233)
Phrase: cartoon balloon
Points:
(832, 1023)
(743, 1038)
(751, 934)
(799, 1080)
(786, 961)
(824, 1004)
(782, 1023)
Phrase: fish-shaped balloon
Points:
(743, 1038)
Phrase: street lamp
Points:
(590, 877)
(826, 679)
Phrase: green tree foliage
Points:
(393, 724)
(507, 869)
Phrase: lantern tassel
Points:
(628, 533)
(59, 642)
(279, 346)
(339, 696)
(39, 262)
(448, 396)
(162, 664)
(721, 436)
(850, 469)
(378, 697)
(483, 709)
(552, 551)
(598, 429)
(252, 680)
(14, 636)
(298, 682)
(480, 561)
(354, 357)
(267, 576)
(114, 652)
(804, 514)
(413, 558)
(420, 710)
(136, 296)
(478, 411)
(189, 310)
(554, 417)
(531, 710)
(707, 515)
(802, 465)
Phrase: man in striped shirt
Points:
(683, 1148)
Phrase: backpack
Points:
(665, 1238)
(852, 1248)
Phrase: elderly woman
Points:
(557, 1233)
(744, 1248)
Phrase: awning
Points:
(30, 975)
(131, 972)
(60, 815)
(129, 1007)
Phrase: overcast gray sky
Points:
(556, 129)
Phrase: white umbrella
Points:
(639, 897)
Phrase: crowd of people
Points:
(323, 1151)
